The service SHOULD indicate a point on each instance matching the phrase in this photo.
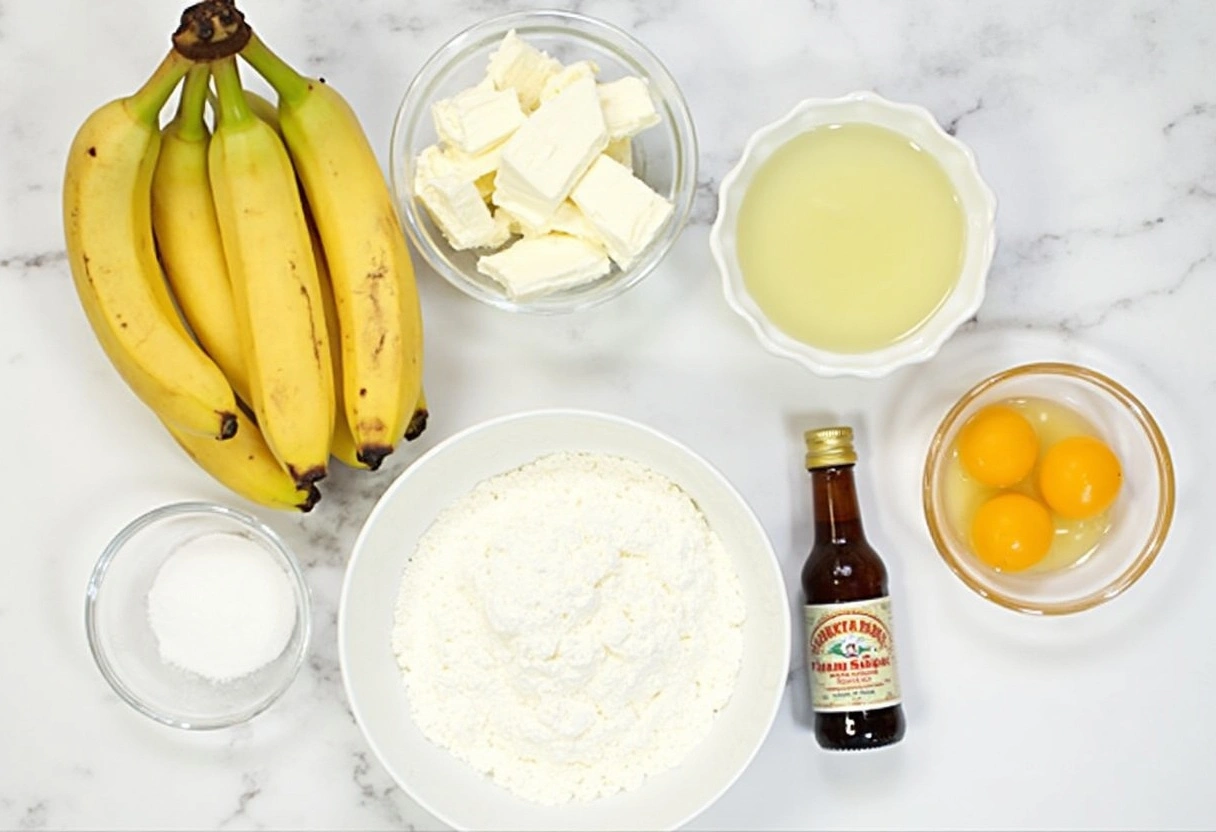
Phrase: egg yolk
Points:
(1080, 477)
(998, 446)
(1011, 532)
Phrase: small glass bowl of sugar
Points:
(198, 615)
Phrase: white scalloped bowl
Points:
(956, 159)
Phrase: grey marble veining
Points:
(1095, 123)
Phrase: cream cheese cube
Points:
(623, 209)
(628, 107)
(519, 226)
(461, 214)
(621, 150)
(541, 265)
(478, 118)
(520, 66)
(569, 74)
(430, 164)
(502, 230)
(435, 162)
(485, 186)
(568, 219)
(474, 167)
(545, 157)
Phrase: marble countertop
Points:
(1095, 123)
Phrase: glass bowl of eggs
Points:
(1048, 488)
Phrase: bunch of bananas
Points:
(250, 283)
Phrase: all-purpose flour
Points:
(569, 627)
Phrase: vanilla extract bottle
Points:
(850, 652)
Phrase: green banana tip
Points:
(146, 102)
(233, 107)
(211, 30)
(291, 86)
(190, 107)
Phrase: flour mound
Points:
(570, 627)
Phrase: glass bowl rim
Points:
(1165, 481)
(613, 38)
(110, 554)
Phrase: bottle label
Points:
(850, 656)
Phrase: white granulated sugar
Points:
(570, 627)
(221, 607)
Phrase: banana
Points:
(108, 229)
(380, 321)
(280, 315)
(344, 444)
(188, 233)
(343, 447)
(246, 465)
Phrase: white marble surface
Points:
(1095, 122)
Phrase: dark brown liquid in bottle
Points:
(842, 568)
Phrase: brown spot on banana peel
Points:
(310, 499)
(228, 423)
(307, 478)
(417, 424)
(211, 30)
(373, 455)
(372, 289)
(312, 322)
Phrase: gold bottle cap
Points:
(827, 447)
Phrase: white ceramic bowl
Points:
(979, 207)
(450, 789)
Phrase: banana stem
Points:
(291, 86)
(233, 107)
(147, 102)
(194, 99)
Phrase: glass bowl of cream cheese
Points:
(510, 185)
(197, 615)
